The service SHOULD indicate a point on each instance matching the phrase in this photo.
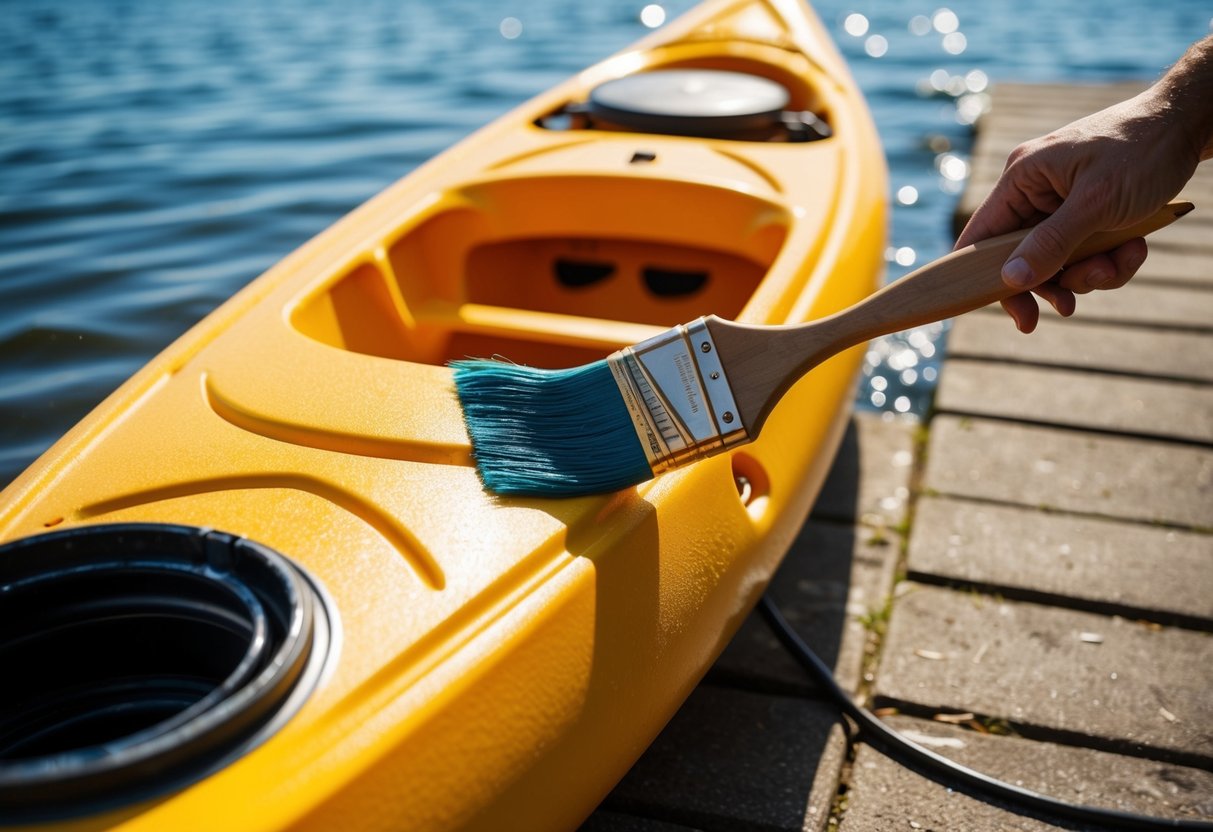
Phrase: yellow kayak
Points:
(262, 587)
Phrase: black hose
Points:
(940, 768)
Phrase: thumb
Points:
(1045, 250)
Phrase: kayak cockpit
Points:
(556, 269)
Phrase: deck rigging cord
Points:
(946, 771)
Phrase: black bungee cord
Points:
(941, 769)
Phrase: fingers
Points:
(1007, 208)
(1059, 297)
(1098, 272)
(1110, 270)
(1043, 253)
(1129, 257)
(1023, 310)
(994, 217)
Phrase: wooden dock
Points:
(1035, 568)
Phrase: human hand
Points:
(1106, 171)
(1100, 173)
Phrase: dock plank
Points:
(1177, 255)
(1148, 304)
(1160, 573)
(606, 821)
(1134, 479)
(1075, 96)
(888, 796)
(1079, 344)
(1193, 232)
(1082, 532)
(831, 578)
(1146, 407)
(733, 759)
(870, 478)
(1032, 489)
(1121, 684)
(707, 769)
(1182, 266)
(1022, 111)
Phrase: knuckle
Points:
(1020, 153)
(1033, 146)
(1050, 242)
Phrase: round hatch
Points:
(138, 658)
(697, 102)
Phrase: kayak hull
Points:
(501, 662)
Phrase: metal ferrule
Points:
(678, 396)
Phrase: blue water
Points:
(156, 157)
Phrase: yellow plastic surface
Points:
(504, 661)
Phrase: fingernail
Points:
(1096, 279)
(1018, 273)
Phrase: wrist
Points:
(1184, 96)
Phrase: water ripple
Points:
(158, 156)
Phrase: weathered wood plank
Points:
(1148, 304)
(870, 477)
(1120, 683)
(1137, 360)
(1186, 266)
(1189, 242)
(732, 759)
(1075, 343)
(831, 578)
(604, 821)
(1077, 95)
(1133, 479)
(885, 795)
(1103, 563)
(1147, 407)
(739, 754)
(1024, 111)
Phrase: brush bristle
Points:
(549, 432)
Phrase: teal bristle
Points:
(549, 433)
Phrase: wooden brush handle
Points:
(970, 278)
(762, 362)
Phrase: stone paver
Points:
(869, 481)
(1135, 479)
(1105, 563)
(832, 577)
(735, 760)
(1120, 683)
(1074, 343)
(1166, 409)
(885, 795)
(604, 821)
(1144, 304)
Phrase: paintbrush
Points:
(702, 388)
